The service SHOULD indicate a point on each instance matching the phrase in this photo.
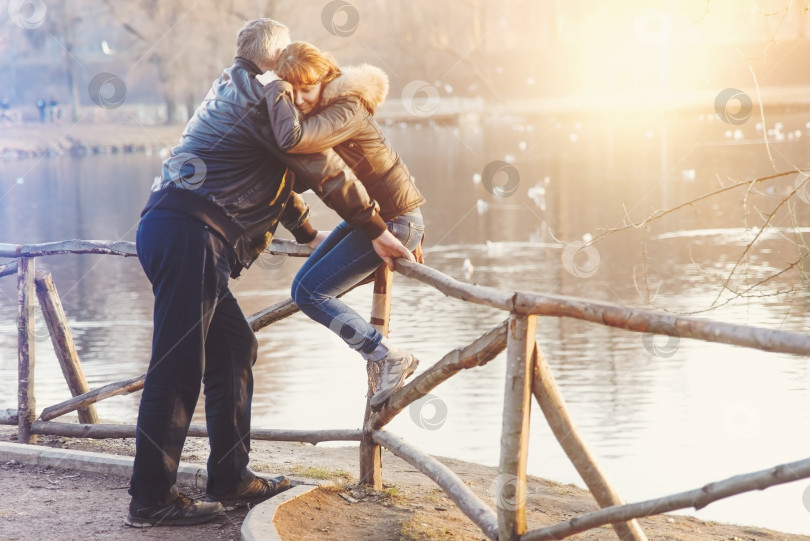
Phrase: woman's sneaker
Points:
(397, 366)
(182, 511)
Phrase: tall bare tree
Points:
(65, 20)
(65, 31)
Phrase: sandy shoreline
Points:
(411, 508)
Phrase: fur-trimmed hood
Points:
(366, 82)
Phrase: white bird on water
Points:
(494, 249)
(106, 49)
(468, 269)
(538, 193)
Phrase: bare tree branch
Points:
(661, 213)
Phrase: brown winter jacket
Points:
(344, 121)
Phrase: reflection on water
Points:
(662, 414)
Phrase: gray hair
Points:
(261, 41)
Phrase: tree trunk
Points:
(171, 110)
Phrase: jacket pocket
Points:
(358, 161)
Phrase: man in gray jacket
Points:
(215, 208)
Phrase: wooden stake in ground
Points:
(63, 345)
(370, 451)
(26, 403)
(510, 492)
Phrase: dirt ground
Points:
(39, 503)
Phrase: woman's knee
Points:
(300, 295)
(307, 296)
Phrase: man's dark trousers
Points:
(200, 334)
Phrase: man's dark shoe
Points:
(183, 511)
(258, 490)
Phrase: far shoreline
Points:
(137, 133)
(29, 140)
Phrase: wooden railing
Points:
(527, 375)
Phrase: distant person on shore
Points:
(212, 212)
(54, 112)
(5, 112)
(41, 105)
(338, 112)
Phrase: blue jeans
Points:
(340, 262)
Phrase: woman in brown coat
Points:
(333, 108)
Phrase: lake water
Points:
(662, 415)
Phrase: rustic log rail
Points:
(257, 321)
(103, 431)
(443, 476)
(697, 498)
(548, 395)
(123, 248)
(62, 339)
(527, 375)
(8, 269)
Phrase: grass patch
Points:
(322, 473)
(392, 495)
(413, 529)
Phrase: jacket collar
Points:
(366, 82)
(244, 63)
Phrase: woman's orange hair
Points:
(301, 63)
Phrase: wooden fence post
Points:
(551, 402)
(26, 402)
(63, 345)
(510, 492)
(370, 451)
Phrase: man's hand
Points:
(388, 247)
(319, 238)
